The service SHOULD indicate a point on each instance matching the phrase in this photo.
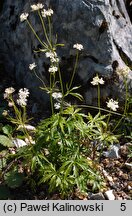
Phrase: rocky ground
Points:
(117, 173)
(115, 165)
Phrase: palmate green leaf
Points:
(65, 164)
(7, 129)
(66, 168)
(5, 141)
(14, 179)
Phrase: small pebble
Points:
(124, 176)
(109, 194)
(129, 188)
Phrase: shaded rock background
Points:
(74, 21)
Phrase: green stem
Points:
(125, 107)
(126, 97)
(43, 44)
(108, 121)
(97, 108)
(51, 98)
(118, 123)
(74, 70)
(44, 29)
(99, 97)
(23, 125)
(61, 82)
(50, 30)
(40, 80)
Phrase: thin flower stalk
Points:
(44, 29)
(51, 91)
(75, 68)
(50, 29)
(97, 108)
(99, 97)
(42, 43)
(41, 80)
(125, 107)
(20, 117)
(61, 82)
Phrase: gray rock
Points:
(75, 21)
(109, 195)
(98, 196)
(113, 152)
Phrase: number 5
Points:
(123, 207)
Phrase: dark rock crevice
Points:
(123, 55)
(128, 4)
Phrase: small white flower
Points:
(123, 71)
(53, 69)
(43, 13)
(36, 7)
(10, 104)
(29, 140)
(23, 94)
(57, 106)
(32, 66)
(51, 54)
(57, 95)
(97, 80)
(28, 127)
(22, 102)
(9, 90)
(49, 12)
(78, 46)
(19, 142)
(23, 16)
(54, 60)
(46, 151)
(113, 105)
(46, 13)
(5, 113)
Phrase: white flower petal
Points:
(28, 127)
(19, 142)
(78, 46)
(23, 16)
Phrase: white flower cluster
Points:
(46, 13)
(36, 7)
(57, 95)
(5, 113)
(97, 80)
(32, 66)
(8, 92)
(123, 71)
(53, 69)
(113, 105)
(23, 94)
(57, 105)
(53, 56)
(78, 46)
(23, 16)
